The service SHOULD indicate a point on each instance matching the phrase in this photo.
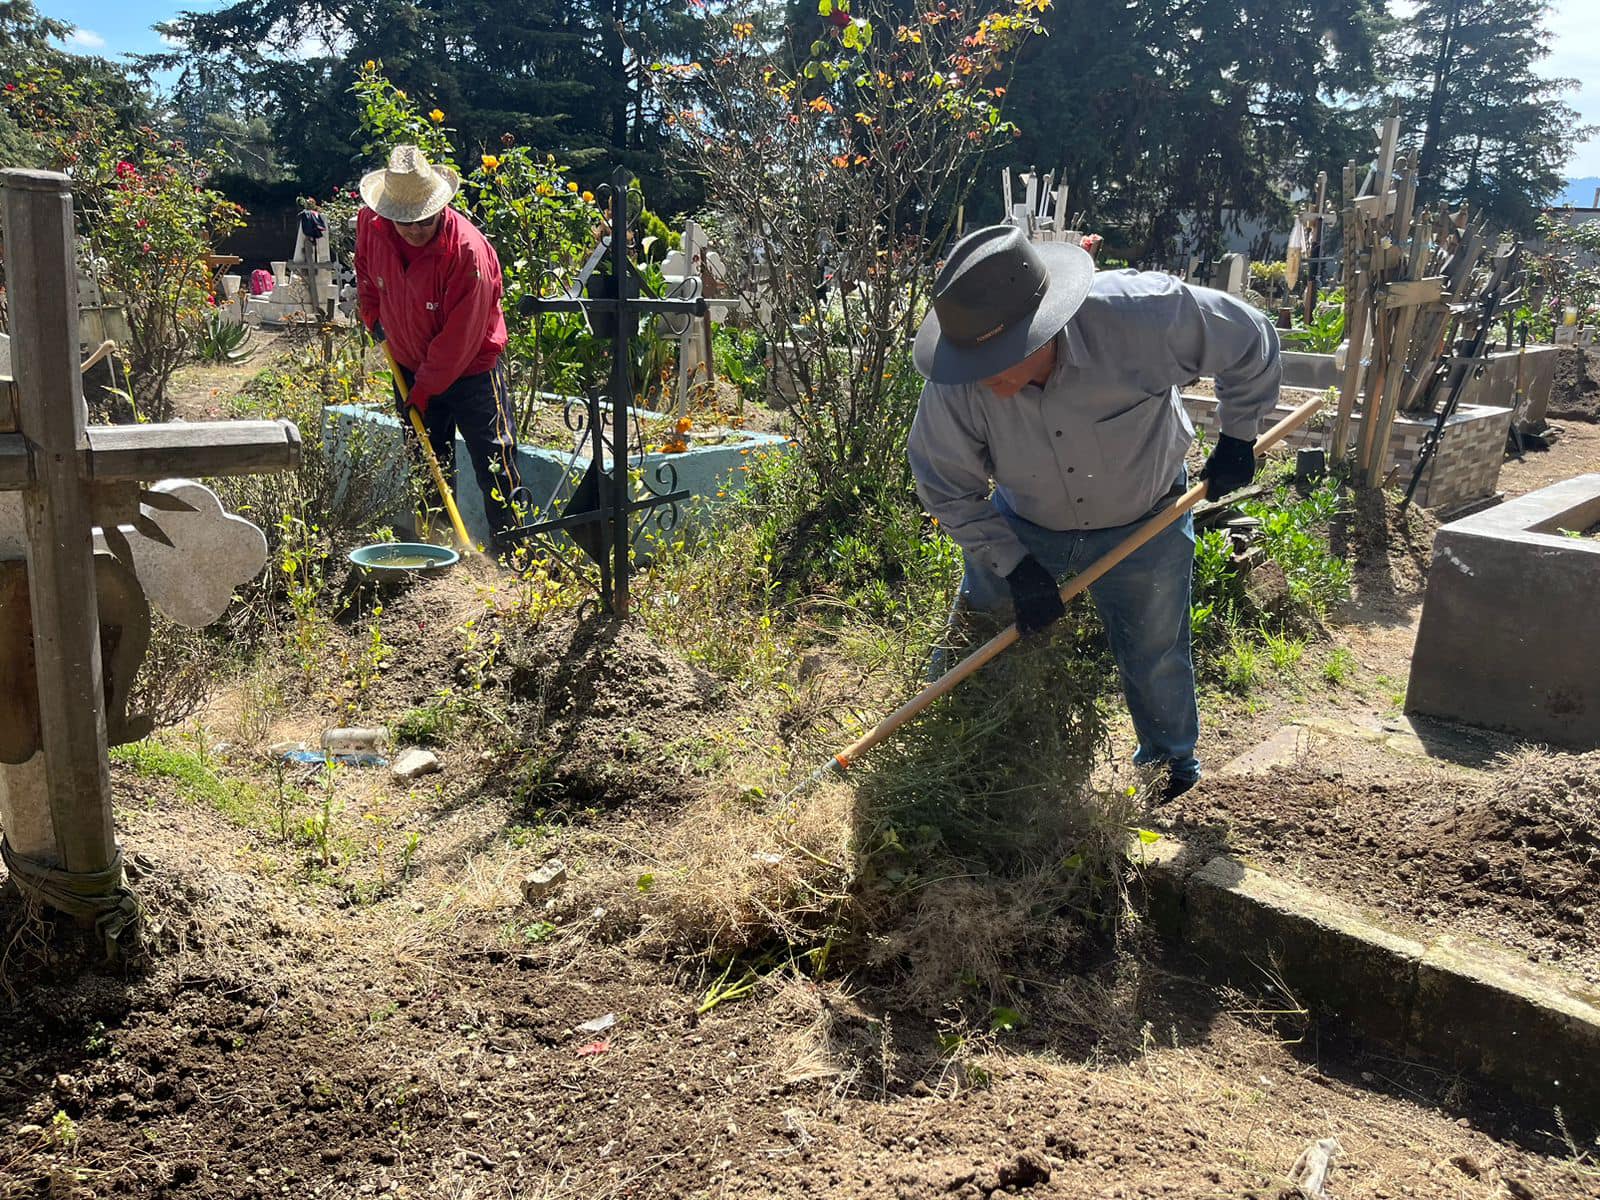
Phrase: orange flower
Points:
(436, 115)
(821, 105)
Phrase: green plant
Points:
(1241, 664)
(1283, 651)
(148, 219)
(1325, 331)
(1293, 533)
(197, 782)
(1340, 666)
(221, 340)
(408, 852)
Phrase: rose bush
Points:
(147, 219)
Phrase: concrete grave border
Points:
(1508, 638)
(1469, 1008)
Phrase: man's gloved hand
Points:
(377, 332)
(1231, 465)
(1035, 595)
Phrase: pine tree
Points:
(1493, 133)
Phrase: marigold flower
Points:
(490, 162)
(588, 197)
(370, 65)
(821, 105)
(436, 115)
(571, 186)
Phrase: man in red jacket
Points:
(429, 282)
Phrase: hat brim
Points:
(1071, 272)
(377, 197)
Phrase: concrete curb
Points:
(1516, 1026)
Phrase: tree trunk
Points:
(1427, 163)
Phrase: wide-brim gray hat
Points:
(410, 188)
(998, 298)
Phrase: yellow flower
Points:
(571, 186)
(490, 162)
(370, 65)
(588, 197)
(399, 93)
(436, 115)
(742, 30)
(544, 189)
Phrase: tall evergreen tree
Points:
(562, 77)
(1493, 132)
(1173, 107)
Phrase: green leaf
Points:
(1073, 861)
(646, 882)
(825, 8)
(1004, 1020)
(1148, 836)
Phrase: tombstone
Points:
(85, 548)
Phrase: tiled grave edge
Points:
(1515, 1026)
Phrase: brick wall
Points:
(1466, 465)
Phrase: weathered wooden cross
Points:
(78, 482)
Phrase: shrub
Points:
(843, 162)
(148, 218)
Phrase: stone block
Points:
(1160, 870)
(1504, 1020)
(1253, 930)
(1508, 639)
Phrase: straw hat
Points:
(410, 188)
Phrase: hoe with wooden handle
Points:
(456, 522)
(1001, 641)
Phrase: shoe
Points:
(1176, 786)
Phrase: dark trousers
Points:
(479, 407)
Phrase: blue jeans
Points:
(1144, 604)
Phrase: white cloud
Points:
(86, 39)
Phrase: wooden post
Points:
(42, 279)
(1355, 301)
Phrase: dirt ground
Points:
(364, 1014)
(1575, 395)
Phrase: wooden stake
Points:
(40, 255)
(1355, 299)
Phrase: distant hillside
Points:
(1580, 192)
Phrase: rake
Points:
(1002, 641)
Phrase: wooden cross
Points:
(75, 478)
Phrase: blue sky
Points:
(115, 27)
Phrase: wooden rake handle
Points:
(1001, 641)
(456, 522)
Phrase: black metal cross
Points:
(600, 511)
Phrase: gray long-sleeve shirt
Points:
(1101, 441)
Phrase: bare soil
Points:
(281, 1046)
(1512, 859)
(1575, 395)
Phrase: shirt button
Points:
(1080, 499)
(1070, 470)
(1058, 433)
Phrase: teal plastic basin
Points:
(393, 560)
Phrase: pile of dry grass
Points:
(971, 841)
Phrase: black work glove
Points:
(1231, 465)
(1035, 595)
(377, 332)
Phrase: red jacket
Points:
(442, 313)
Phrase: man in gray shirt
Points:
(1050, 427)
